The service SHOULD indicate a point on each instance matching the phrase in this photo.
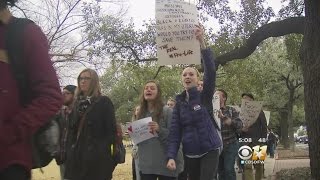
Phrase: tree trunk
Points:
(290, 120)
(284, 127)
(310, 61)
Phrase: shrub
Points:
(301, 173)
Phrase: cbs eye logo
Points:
(255, 153)
(245, 152)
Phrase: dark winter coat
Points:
(90, 157)
(191, 121)
(43, 98)
(257, 131)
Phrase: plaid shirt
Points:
(230, 132)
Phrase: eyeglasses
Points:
(84, 78)
(66, 93)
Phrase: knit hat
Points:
(70, 88)
(248, 94)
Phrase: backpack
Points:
(119, 151)
(45, 140)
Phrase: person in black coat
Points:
(92, 132)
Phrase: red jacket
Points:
(17, 124)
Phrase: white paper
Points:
(216, 109)
(250, 111)
(267, 114)
(139, 130)
(175, 29)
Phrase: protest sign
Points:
(139, 130)
(175, 32)
(250, 111)
(216, 109)
(267, 114)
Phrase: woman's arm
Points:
(174, 138)
(209, 79)
(165, 125)
(207, 61)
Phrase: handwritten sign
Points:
(139, 130)
(216, 109)
(267, 114)
(175, 29)
(250, 111)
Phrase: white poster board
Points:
(250, 111)
(139, 130)
(216, 109)
(175, 32)
(267, 114)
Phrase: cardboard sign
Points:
(139, 130)
(175, 29)
(250, 111)
(216, 109)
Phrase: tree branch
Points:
(158, 71)
(273, 29)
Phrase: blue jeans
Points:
(271, 149)
(227, 160)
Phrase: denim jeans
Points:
(62, 170)
(271, 150)
(227, 161)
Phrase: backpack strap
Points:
(14, 46)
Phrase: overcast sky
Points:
(145, 9)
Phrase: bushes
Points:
(303, 173)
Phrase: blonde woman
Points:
(192, 122)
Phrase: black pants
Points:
(184, 175)
(204, 168)
(155, 177)
(134, 176)
(15, 172)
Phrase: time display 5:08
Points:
(249, 140)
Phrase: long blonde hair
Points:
(158, 104)
(94, 88)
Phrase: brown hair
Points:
(94, 89)
(158, 104)
(134, 115)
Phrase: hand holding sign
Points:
(154, 127)
(199, 36)
(142, 130)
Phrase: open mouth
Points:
(187, 82)
(148, 94)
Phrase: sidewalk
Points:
(269, 165)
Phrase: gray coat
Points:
(152, 152)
